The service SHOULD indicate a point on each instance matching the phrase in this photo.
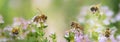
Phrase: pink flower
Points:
(21, 22)
(80, 37)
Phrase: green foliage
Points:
(70, 37)
(53, 36)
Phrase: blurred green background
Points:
(60, 12)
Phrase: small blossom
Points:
(1, 19)
(82, 14)
(107, 11)
(3, 39)
(117, 17)
(53, 36)
(80, 37)
(102, 38)
(106, 21)
(8, 28)
(20, 22)
(118, 38)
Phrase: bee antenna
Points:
(39, 10)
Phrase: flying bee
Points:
(107, 33)
(76, 26)
(40, 18)
(15, 31)
(95, 8)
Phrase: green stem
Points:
(72, 40)
(54, 40)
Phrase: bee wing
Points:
(98, 5)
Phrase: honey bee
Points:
(40, 18)
(76, 26)
(95, 8)
(15, 31)
(107, 33)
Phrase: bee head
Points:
(73, 24)
(44, 17)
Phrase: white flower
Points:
(113, 20)
(33, 30)
(21, 22)
(91, 22)
(1, 19)
(83, 11)
(3, 39)
(67, 34)
(8, 28)
(99, 30)
(106, 21)
(107, 11)
(82, 14)
(117, 17)
(101, 38)
(118, 38)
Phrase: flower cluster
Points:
(76, 34)
(26, 30)
(94, 26)
(96, 21)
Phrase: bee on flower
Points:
(107, 36)
(107, 33)
(95, 8)
(77, 26)
(15, 31)
(40, 18)
(76, 34)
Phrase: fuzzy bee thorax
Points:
(95, 8)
